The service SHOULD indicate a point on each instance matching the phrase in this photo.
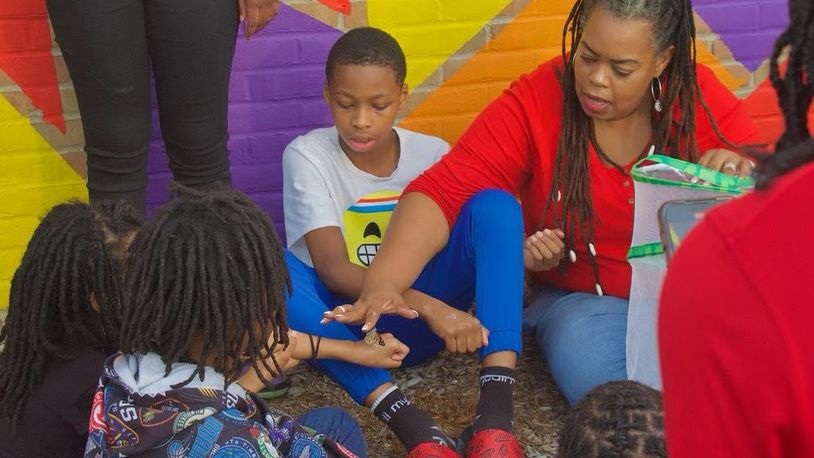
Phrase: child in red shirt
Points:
(563, 140)
(737, 356)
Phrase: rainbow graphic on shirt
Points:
(365, 224)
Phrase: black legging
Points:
(109, 46)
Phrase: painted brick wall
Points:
(275, 95)
(461, 54)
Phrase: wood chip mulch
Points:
(447, 388)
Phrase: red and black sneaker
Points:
(494, 443)
(432, 450)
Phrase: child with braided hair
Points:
(206, 287)
(62, 323)
(621, 419)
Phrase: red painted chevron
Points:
(342, 6)
(25, 56)
(764, 108)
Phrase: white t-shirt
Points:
(322, 188)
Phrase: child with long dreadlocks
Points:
(563, 139)
(737, 353)
(206, 287)
(62, 324)
(622, 419)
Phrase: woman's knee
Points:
(496, 212)
(583, 340)
(494, 200)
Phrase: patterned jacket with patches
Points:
(194, 422)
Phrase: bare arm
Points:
(418, 230)
(329, 255)
(388, 356)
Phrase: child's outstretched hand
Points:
(544, 250)
(369, 308)
(385, 352)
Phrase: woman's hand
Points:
(728, 162)
(387, 353)
(257, 13)
(369, 308)
(544, 250)
(460, 331)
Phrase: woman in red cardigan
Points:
(563, 139)
(737, 309)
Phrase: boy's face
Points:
(364, 102)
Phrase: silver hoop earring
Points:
(656, 98)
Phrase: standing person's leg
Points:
(582, 337)
(338, 425)
(105, 49)
(191, 44)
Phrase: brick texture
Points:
(277, 77)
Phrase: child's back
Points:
(61, 326)
(205, 291)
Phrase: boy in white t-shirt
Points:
(340, 187)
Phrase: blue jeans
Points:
(482, 262)
(339, 426)
(582, 337)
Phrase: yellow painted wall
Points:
(430, 31)
(33, 178)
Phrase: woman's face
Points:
(614, 65)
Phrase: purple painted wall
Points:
(748, 27)
(275, 95)
(277, 80)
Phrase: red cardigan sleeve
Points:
(493, 153)
(729, 112)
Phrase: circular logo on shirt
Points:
(236, 447)
(305, 446)
(187, 419)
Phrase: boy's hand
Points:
(253, 381)
(285, 357)
(728, 162)
(257, 13)
(544, 250)
(460, 331)
(387, 356)
(369, 308)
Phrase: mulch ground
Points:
(446, 388)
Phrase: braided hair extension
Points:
(794, 91)
(622, 419)
(69, 266)
(674, 25)
(208, 267)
